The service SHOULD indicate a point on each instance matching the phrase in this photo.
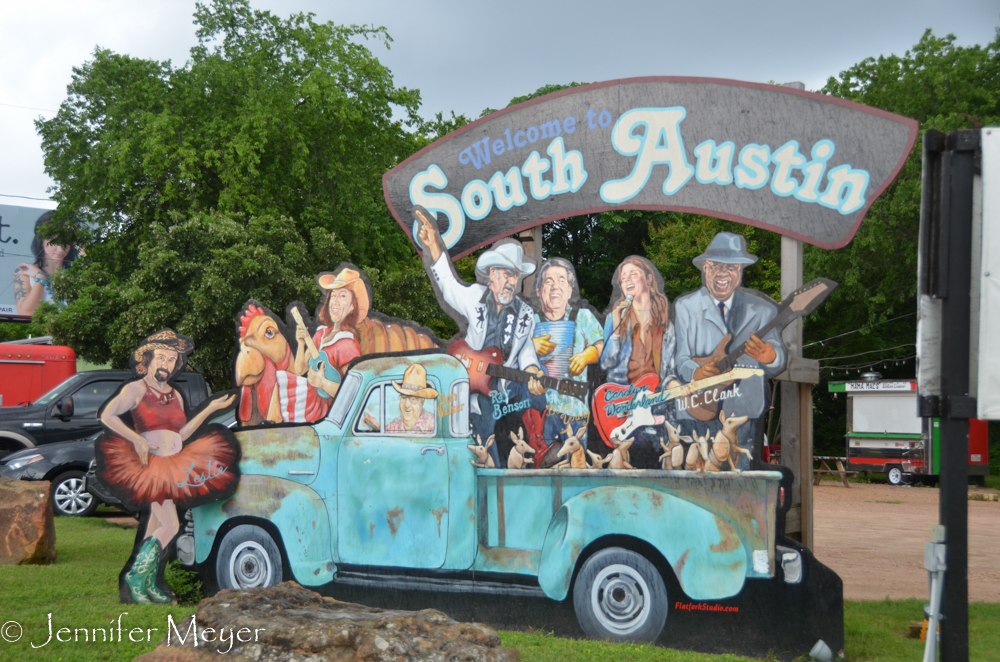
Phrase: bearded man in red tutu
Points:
(162, 464)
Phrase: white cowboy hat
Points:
(508, 255)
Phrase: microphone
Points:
(628, 304)
(621, 320)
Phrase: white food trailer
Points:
(886, 435)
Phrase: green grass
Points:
(81, 591)
(876, 630)
(536, 647)
(993, 481)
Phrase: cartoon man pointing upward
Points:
(492, 315)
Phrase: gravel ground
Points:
(873, 536)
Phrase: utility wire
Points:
(864, 366)
(874, 351)
(46, 110)
(868, 326)
(26, 197)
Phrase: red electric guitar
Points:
(487, 363)
(613, 402)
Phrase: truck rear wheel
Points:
(248, 558)
(620, 595)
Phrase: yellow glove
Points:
(578, 362)
(543, 346)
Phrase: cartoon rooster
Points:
(269, 392)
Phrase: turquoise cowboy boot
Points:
(142, 566)
(152, 590)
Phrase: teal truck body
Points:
(334, 496)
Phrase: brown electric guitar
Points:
(487, 363)
(798, 304)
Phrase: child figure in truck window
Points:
(158, 466)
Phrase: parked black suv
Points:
(69, 411)
(53, 437)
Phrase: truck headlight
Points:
(791, 564)
(185, 550)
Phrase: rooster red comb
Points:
(252, 311)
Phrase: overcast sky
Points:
(466, 55)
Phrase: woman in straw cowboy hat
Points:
(154, 466)
(345, 305)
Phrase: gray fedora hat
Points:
(509, 255)
(727, 248)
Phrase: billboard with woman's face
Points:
(28, 260)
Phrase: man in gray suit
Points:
(720, 308)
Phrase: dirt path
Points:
(873, 536)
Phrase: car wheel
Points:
(69, 498)
(619, 595)
(894, 476)
(248, 558)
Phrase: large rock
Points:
(27, 532)
(293, 624)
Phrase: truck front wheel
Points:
(619, 595)
(248, 558)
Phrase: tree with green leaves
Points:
(188, 275)
(269, 116)
(180, 179)
(871, 318)
(944, 87)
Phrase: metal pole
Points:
(957, 171)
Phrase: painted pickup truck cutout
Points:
(415, 502)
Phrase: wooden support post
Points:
(532, 242)
(806, 462)
(796, 405)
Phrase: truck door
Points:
(87, 400)
(393, 484)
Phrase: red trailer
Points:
(27, 371)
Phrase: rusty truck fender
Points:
(706, 553)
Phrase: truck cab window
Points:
(370, 419)
(409, 415)
(59, 390)
(457, 409)
(89, 399)
(345, 398)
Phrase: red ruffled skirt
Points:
(205, 467)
